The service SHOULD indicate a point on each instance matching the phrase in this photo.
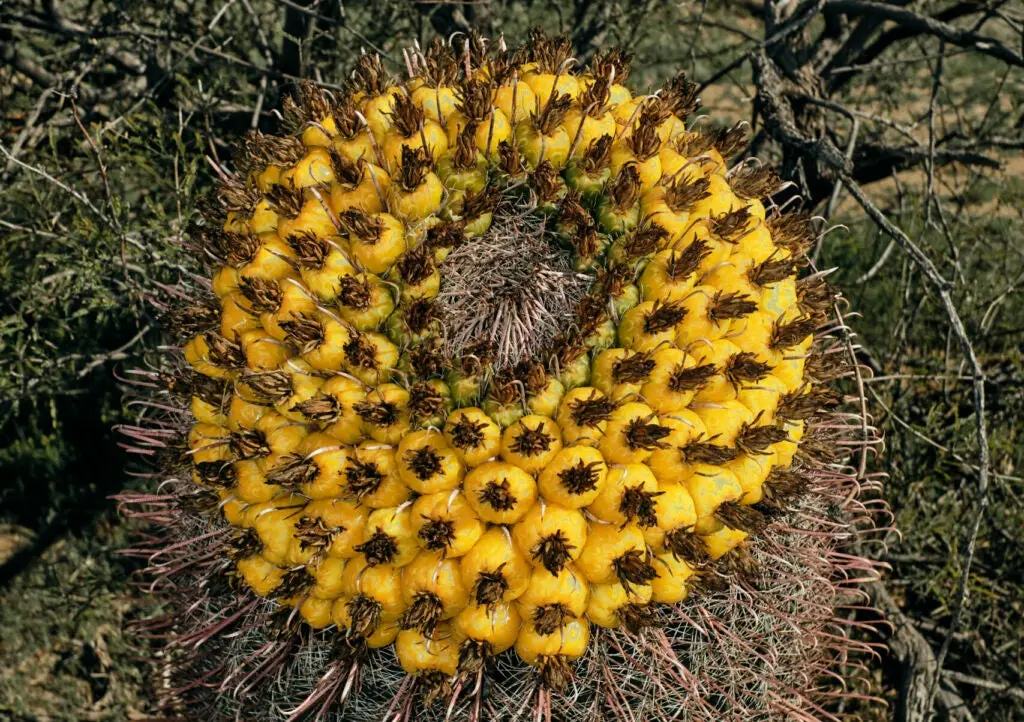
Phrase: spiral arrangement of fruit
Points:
(421, 454)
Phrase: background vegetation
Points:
(108, 110)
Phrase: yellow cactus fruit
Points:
(612, 605)
(420, 652)
(316, 612)
(673, 510)
(495, 624)
(389, 537)
(427, 464)
(723, 541)
(340, 523)
(583, 415)
(500, 493)
(574, 477)
(675, 380)
(669, 586)
(261, 576)
(495, 569)
(615, 553)
(569, 640)
(371, 476)
(472, 435)
(315, 468)
(632, 434)
(551, 535)
(356, 618)
(531, 443)
(628, 495)
(552, 597)
(432, 589)
(444, 521)
(710, 487)
(327, 574)
(374, 594)
(672, 460)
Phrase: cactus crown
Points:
(501, 368)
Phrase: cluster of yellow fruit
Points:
(409, 493)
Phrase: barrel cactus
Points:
(501, 396)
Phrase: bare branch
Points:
(853, 52)
(918, 664)
(77, 195)
(915, 23)
(943, 288)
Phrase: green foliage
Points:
(77, 306)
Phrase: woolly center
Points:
(513, 286)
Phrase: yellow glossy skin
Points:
(516, 485)
(556, 480)
(611, 486)
(497, 624)
(448, 508)
(496, 554)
